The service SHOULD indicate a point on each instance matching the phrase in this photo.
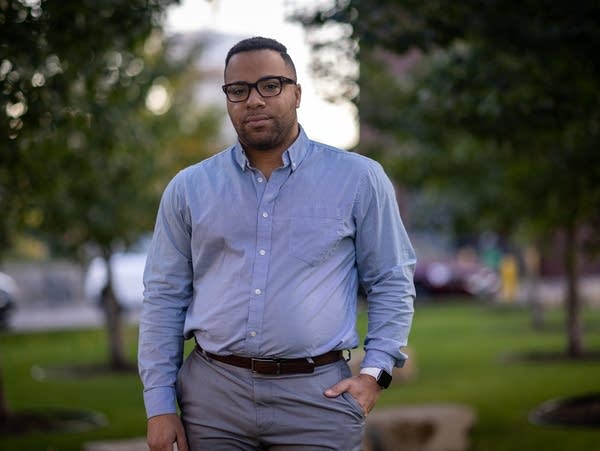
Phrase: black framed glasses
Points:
(266, 86)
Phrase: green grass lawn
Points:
(462, 352)
(463, 355)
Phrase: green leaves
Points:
(491, 102)
(80, 147)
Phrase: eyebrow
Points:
(260, 78)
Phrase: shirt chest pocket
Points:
(313, 239)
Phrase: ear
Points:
(298, 95)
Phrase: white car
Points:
(9, 292)
(127, 271)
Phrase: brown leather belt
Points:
(276, 366)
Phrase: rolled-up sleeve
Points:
(386, 263)
(167, 295)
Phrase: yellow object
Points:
(509, 275)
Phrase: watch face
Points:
(384, 379)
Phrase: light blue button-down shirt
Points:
(271, 268)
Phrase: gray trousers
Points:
(228, 408)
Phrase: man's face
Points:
(263, 123)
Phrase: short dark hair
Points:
(260, 43)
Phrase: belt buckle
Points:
(277, 362)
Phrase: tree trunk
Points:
(4, 410)
(114, 325)
(573, 302)
(532, 272)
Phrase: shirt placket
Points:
(262, 254)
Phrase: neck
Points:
(267, 160)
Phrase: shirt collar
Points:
(293, 156)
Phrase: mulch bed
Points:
(582, 411)
(50, 419)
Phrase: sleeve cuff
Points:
(160, 401)
(379, 359)
(373, 372)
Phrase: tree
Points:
(113, 198)
(500, 110)
(91, 107)
(56, 56)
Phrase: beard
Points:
(264, 138)
(260, 140)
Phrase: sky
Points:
(322, 121)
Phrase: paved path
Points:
(31, 318)
(137, 444)
(78, 314)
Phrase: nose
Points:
(254, 98)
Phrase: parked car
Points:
(9, 292)
(455, 277)
(446, 270)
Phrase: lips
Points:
(256, 120)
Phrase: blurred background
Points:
(485, 114)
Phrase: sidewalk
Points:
(79, 314)
(138, 444)
(73, 315)
(552, 291)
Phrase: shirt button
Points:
(260, 180)
(253, 334)
(257, 291)
(265, 214)
(262, 252)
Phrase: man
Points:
(257, 254)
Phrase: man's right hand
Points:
(163, 431)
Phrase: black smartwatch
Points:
(382, 377)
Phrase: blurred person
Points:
(258, 253)
(509, 276)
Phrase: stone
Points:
(427, 427)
